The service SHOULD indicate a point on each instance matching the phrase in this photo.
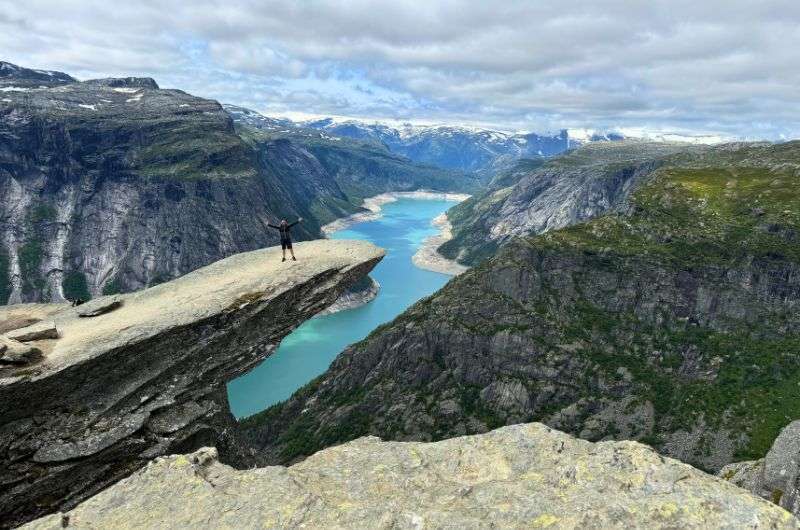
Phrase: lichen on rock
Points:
(522, 476)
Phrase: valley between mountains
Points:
(618, 291)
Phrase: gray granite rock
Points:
(148, 379)
(39, 331)
(98, 306)
(17, 353)
(522, 476)
(774, 477)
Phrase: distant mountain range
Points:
(461, 148)
(467, 149)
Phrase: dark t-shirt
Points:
(285, 230)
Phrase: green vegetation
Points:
(184, 149)
(30, 262)
(700, 216)
(754, 390)
(306, 436)
(607, 163)
(42, 212)
(695, 219)
(472, 405)
(112, 287)
(75, 286)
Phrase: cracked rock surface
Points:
(148, 379)
(522, 476)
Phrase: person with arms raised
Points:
(285, 229)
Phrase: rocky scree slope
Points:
(113, 185)
(535, 196)
(674, 322)
(524, 476)
(103, 395)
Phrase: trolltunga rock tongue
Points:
(522, 476)
(111, 392)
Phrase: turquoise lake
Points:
(310, 349)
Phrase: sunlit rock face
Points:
(523, 476)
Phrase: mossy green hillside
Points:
(701, 215)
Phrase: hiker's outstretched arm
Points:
(294, 223)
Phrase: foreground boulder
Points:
(99, 306)
(522, 476)
(776, 477)
(37, 331)
(148, 379)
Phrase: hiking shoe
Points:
(294, 259)
(284, 259)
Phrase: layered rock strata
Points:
(148, 377)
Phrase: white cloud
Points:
(726, 66)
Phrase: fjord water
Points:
(309, 350)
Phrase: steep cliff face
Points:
(102, 395)
(114, 185)
(675, 322)
(537, 196)
(524, 476)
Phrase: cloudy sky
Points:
(706, 66)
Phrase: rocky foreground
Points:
(111, 384)
(523, 476)
(776, 477)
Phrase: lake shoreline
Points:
(309, 350)
(428, 257)
(375, 203)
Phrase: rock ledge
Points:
(522, 476)
(109, 393)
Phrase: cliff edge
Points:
(109, 385)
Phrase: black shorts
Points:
(286, 243)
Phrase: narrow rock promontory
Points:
(522, 476)
(146, 376)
